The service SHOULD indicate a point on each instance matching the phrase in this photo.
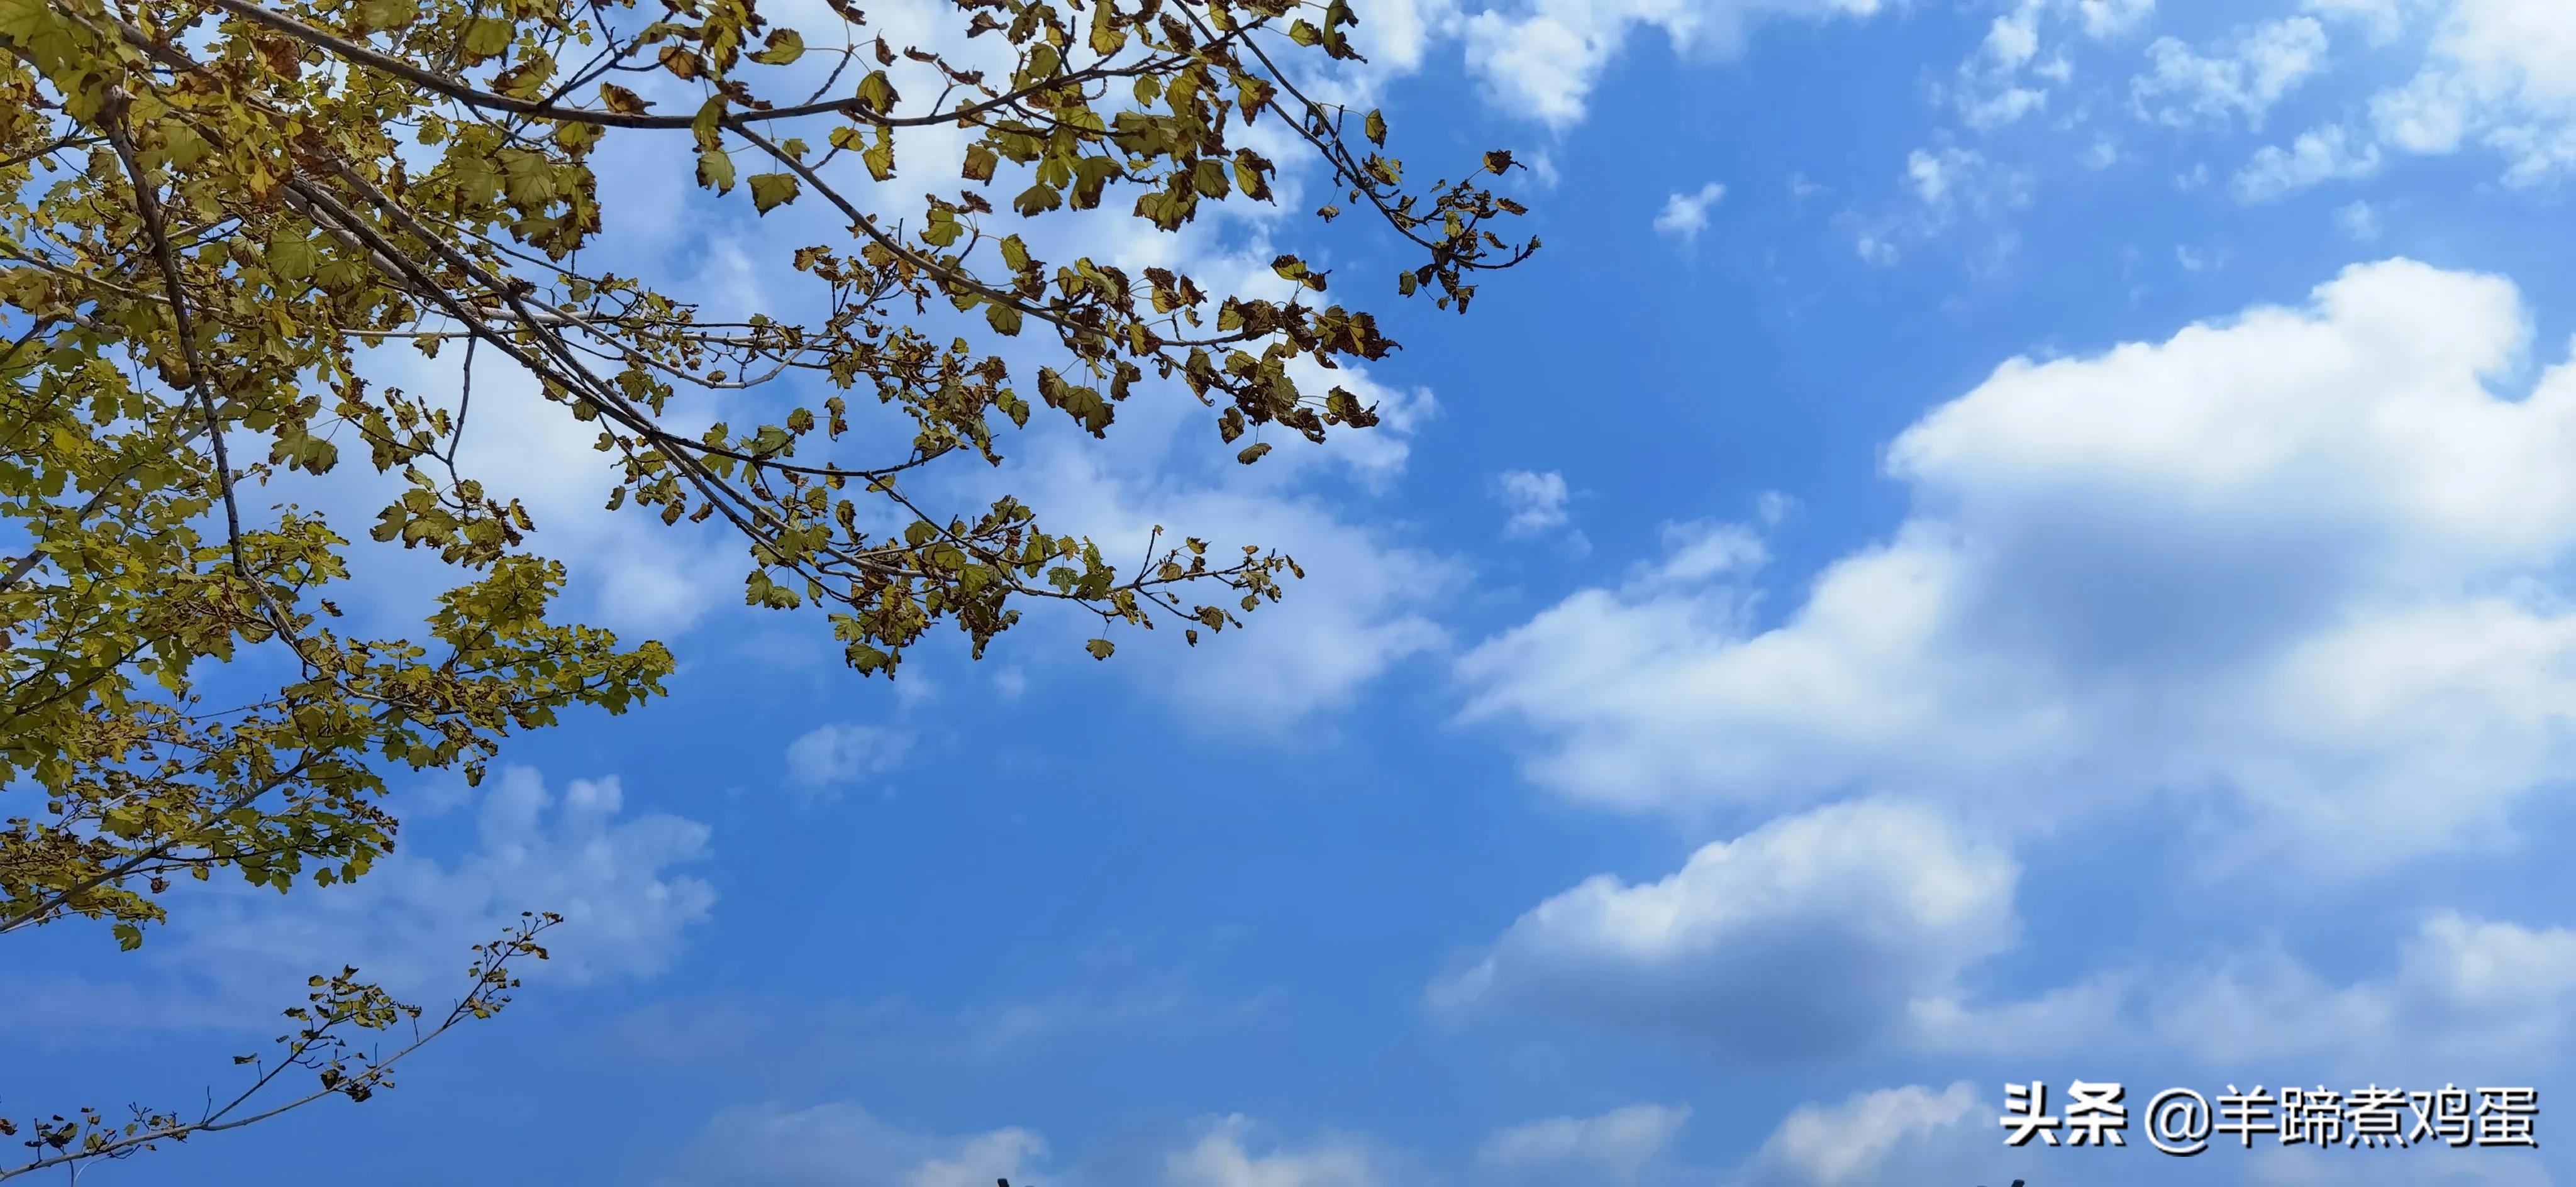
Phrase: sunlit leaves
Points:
(308, 182)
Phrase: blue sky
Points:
(1998, 541)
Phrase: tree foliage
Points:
(212, 212)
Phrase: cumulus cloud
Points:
(2379, 20)
(2023, 56)
(843, 1145)
(1684, 216)
(1536, 501)
(629, 571)
(2501, 73)
(1222, 1158)
(2461, 999)
(2113, 18)
(1608, 1149)
(1370, 601)
(1849, 1142)
(411, 921)
(1947, 187)
(1808, 935)
(827, 759)
(2242, 79)
(2295, 564)
(1898, 1137)
(1543, 58)
(2494, 74)
(1992, 89)
(2468, 997)
(2321, 155)
(1936, 177)
(1949, 180)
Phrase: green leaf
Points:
(879, 158)
(784, 46)
(1107, 36)
(769, 191)
(876, 93)
(715, 171)
(708, 124)
(1037, 200)
(1100, 648)
(292, 257)
(1253, 453)
(486, 36)
(388, 14)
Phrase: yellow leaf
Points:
(715, 171)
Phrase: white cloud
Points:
(1221, 1159)
(1367, 604)
(1368, 600)
(2013, 38)
(1936, 176)
(2105, 19)
(1810, 934)
(2198, 261)
(2500, 72)
(2243, 79)
(1699, 551)
(1991, 93)
(1011, 682)
(2380, 20)
(1609, 1149)
(2468, 998)
(629, 572)
(2010, 76)
(995, 1028)
(1948, 181)
(828, 759)
(1536, 501)
(2006, 105)
(843, 1145)
(2465, 999)
(1686, 215)
(1543, 59)
(1856, 1142)
(2360, 220)
(1920, 1136)
(2296, 564)
(1771, 508)
(411, 920)
(2318, 156)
